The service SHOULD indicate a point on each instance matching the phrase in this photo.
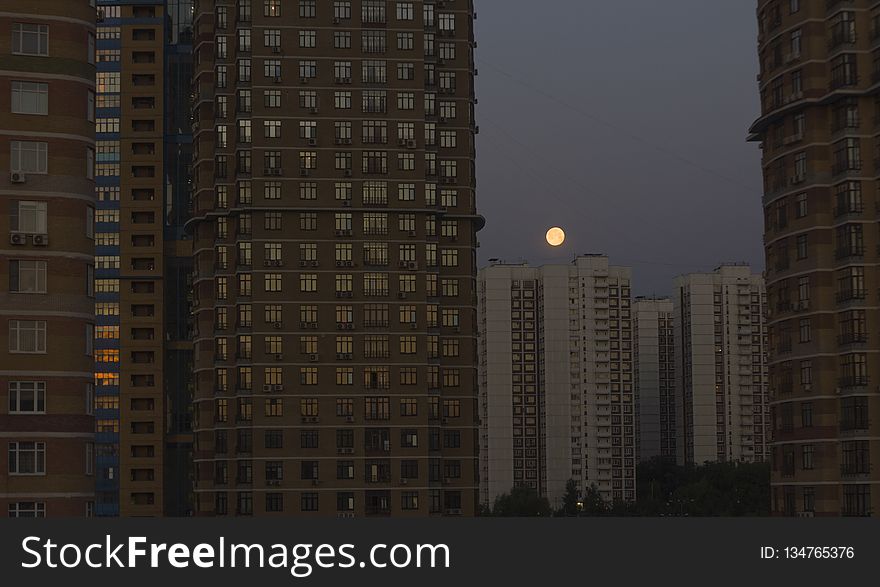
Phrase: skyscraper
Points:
(654, 351)
(817, 130)
(47, 263)
(722, 407)
(334, 235)
(556, 379)
(143, 359)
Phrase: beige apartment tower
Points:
(47, 259)
(721, 396)
(818, 131)
(556, 379)
(334, 236)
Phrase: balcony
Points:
(845, 253)
(845, 81)
(841, 38)
(851, 209)
(852, 339)
(852, 382)
(855, 469)
(859, 423)
(844, 167)
(851, 296)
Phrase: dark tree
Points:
(711, 489)
(594, 505)
(521, 502)
(570, 500)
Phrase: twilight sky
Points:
(624, 123)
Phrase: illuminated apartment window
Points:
(308, 282)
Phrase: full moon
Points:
(555, 236)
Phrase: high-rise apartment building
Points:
(556, 379)
(654, 351)
(143, 358)
(722, 409)
(334, 236)
(47, 260)
(818, 132)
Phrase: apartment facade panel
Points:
(557, 379)
(334, 241)
(142, 282)
(655, 378)
(817, 130)
(721, 390)
(47, 260)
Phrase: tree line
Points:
(663, 489)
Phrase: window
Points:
(307, 8)
(404, 11)
(308, 282)
(273, 439)
(27, 336)
(26, 276)
(342, 10)
(272, 98)
(30, 98)
(802, 246)
(808, 452)
(801, 205)
(29, 157)
(274, 501)
(807, 415)
(308, 69)
(405, 41)
(272, 129)
(30, 39)
(307, 39)
(342, 40)
(27, 458)
(90, 458)
(27, 509)
(409, 500)
(27, 397)
(272, 221)
(272, 282)
(272, 8)
(309, 501)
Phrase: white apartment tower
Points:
(721, 393)
(655, 378)
(556, 379)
